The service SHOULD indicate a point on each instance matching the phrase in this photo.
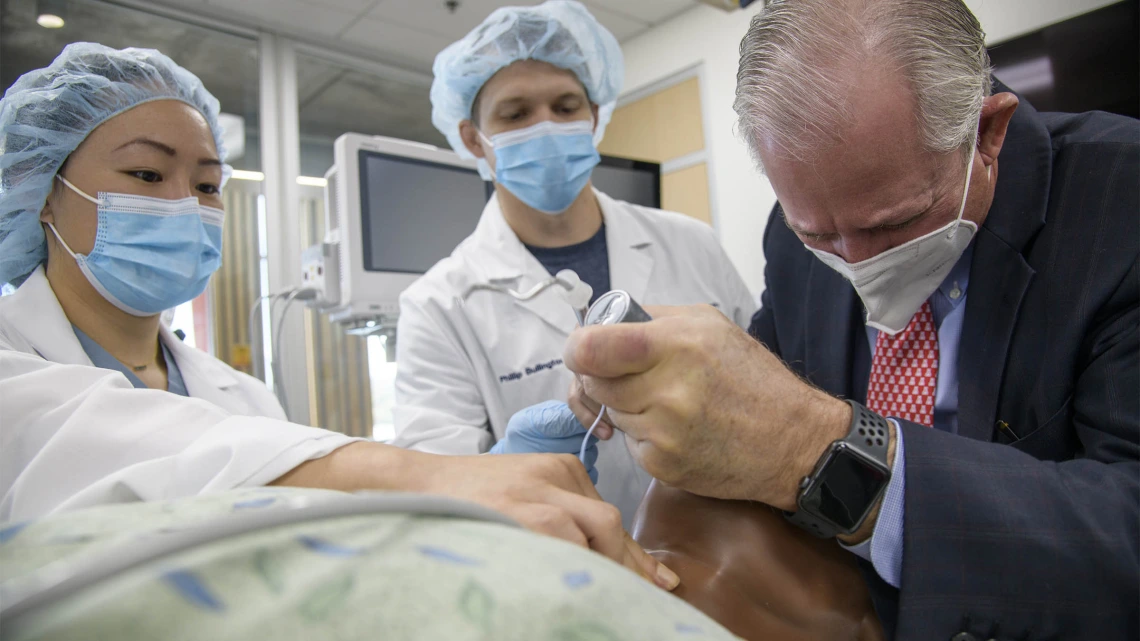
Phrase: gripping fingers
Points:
(586, 410)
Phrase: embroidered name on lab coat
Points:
(539, 367)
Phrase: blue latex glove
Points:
(548, 428)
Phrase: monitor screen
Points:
(415, 212)
(1081, 64)
(633, 181)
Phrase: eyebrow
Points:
(905, 214)
(803, 232)
(166, 149)
(527, 99)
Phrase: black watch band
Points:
(864, 451)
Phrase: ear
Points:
(997, 110)
(470, 135)
(47, 214)
(594, 109)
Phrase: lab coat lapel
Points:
(204, 377)
(627, 243)
(39, 318)
(999, 274)
(500, 258)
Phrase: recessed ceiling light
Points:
(49, 21)
(49, 13)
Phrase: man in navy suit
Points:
(983, 326)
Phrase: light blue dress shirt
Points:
(101, 358)
(947, 304)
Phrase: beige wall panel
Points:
(632, 132)
(660, 127)
(687, 191)
(679, 120)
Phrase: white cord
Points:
(278, 376)
(256, 310)
(589, 433)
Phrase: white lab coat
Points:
(73, 435)
(464, 368)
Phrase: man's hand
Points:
(548, 428)
(587, 410)
(709, 409)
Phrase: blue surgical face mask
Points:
(545, 165)
(150, 254)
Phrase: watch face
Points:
(846, 488)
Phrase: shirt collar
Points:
(953, 288)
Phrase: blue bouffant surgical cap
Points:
(48, 112)
(560, 32)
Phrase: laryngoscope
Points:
(611, 308)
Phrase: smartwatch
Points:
(847, 480)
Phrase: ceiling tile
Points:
(648, 11)
(398, 43)
(353, 6)
(622, 26)
(432, 16)
(301, 16)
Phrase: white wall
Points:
(741, 198)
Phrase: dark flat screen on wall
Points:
(1090, 62)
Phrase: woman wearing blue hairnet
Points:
(528, 94)
(110, 213)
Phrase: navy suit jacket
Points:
(1030, 532)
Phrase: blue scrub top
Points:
(101, 358)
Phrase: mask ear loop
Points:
(76, 189)
(965, 189)
(61, 241)
(51, 226)
(487, 141)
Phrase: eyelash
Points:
(144, 174)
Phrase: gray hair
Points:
(791, 84)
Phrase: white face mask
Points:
(894, 284)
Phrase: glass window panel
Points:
(350, 377)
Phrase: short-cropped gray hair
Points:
(800, 58)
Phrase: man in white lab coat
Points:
(528, 93)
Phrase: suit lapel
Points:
(999, 278)
(999, 273)
(829, 351)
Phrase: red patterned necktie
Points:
(904, 371)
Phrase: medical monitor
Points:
(396, 208)
(414, 212)
(633, 181)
